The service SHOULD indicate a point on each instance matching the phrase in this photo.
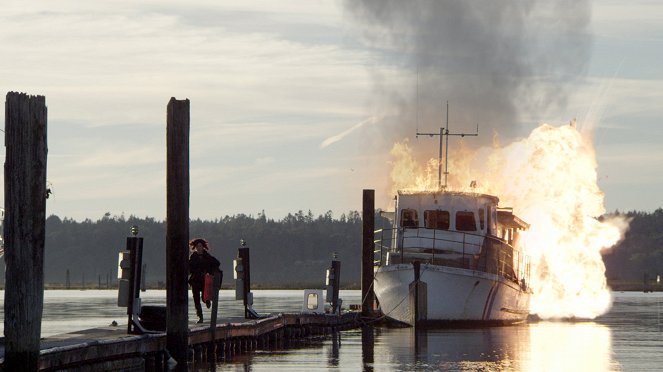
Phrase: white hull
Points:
(453, 295)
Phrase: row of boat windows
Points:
(441, 220)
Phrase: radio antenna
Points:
(417, 103)
(444, 132)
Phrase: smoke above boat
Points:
(501, 64)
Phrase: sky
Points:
(294, 104)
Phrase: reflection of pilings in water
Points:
(335, 347)
(420, 343)
(367, 345)
(289, 336)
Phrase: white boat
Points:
(450, 258)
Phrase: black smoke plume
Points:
(504, 65)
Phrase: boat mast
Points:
(444, 132)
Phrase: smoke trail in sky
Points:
(335, 138)
(493, 60)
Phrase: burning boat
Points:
(451, 257)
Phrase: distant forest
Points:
(641, 251)
(291, 252)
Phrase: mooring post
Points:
(418, 293)
(242, 273)
(218, 277)
(135, 249)
(24, 228)
(367, 249)
(333, 282)
(177, 229)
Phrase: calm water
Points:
(628, 338)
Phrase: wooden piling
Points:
(215, 308)
(367, 254)
(418, 297)
(177, 228)
(24, 228)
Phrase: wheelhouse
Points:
(462, 230)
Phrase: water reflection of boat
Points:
(545, 346)
(459, 248)
(476, 349)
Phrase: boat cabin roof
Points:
(443, 197)
(505, 217)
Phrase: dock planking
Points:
(112, 348)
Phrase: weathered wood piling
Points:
(367, 252)
(24, 228)
(177, 227)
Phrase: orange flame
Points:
(550, 180)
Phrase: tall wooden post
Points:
(177, 229)
(24, 228)
(367, 249)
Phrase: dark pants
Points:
(197, 290)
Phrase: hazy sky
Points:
(286, 97)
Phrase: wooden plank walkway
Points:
(111, 348)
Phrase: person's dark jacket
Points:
(199, 265)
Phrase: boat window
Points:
(437, 220)
(409, 218)
(465, 221)
(482, 218)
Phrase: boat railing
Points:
(450, 248)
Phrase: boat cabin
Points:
(464, 230)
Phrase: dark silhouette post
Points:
(333, 282)
(418, 297)
(135, 249)
(367, 249)
(24, 228)
(177, 229)
(211, 353)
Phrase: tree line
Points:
(641, 251)
(293, 252)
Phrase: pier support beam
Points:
(367, 252)
(177, 229)
(24, 228)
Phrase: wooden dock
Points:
(112, 349)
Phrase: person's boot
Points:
(200, 318)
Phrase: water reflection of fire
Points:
(550, 180)
(558, 346)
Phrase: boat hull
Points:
(453, 295)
